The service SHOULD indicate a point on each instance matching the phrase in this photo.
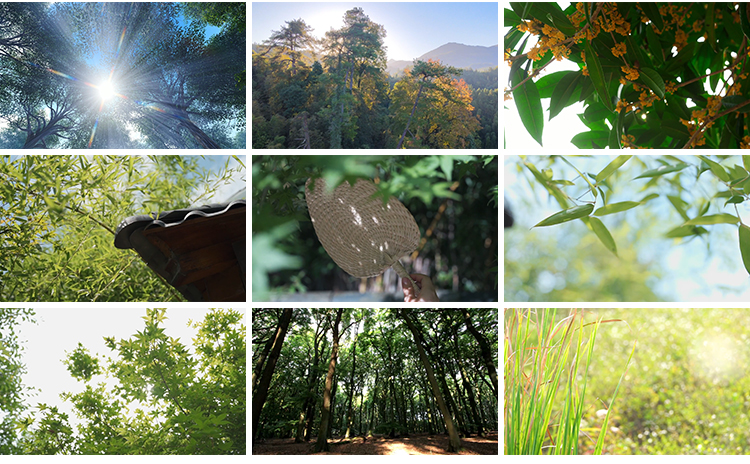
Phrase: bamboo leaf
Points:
(723, 218)
(685, 231)
(716, 168)
(612, 167)
(613, 208)
(745, 246)
(661, 170)
(598, 227)
(566, 215)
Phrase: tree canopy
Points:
(334, 92)
(371, 373)
(649, 75)
(122, 75)
(154, 395)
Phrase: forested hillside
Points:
(335, 93)
(345, 377)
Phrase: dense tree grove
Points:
(363, 372)
(335, 93)
(122, 75)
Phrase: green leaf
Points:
(529, 105)
(745, 246)
(735, 199)
(685, 231)
(734, 101)
(612, 167)
(723, 218)
(596, 73)
(661, 170)
(746, 161)
(654, 45)
(653, 81)
(562, 93)
(446, 164)
(591, 139)
(616, 208)
(744, 22)
(675, 129)
(596, 225)
(566, 215)
(652, 12)
(711, 25)
(716, 168)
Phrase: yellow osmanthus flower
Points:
(628, 141)
(619, 49)
(713, 106)
(552, 32)
(631, 74)
(745, 144)
(680, 39)
(670, 87)
(535, 54)
(585, 71)
(647, 98)
(623, 105)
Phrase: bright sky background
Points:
(412, 29)
(60, 328)
(692, 274)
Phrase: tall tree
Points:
(454, 442)
(261, 392)
(484, 346)
(322, 443)
(289, 41)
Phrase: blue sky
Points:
(413, 29)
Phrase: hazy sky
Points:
(412, 29)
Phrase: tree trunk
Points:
(350, 409)
(484, 346)
(259, 399)
(322, 443)
(454, 442)
(467, 387)
(414, 108)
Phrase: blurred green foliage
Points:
(460, 191)
(687, 389)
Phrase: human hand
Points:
(427, 291)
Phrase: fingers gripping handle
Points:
(403, 274)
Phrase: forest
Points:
(375, 381)
(122, 75)
(334, 92)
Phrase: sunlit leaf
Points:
(685, 231)
(745, 246)
(716, 168)
(598, 227)
(529, 105)
(612, 167)
(722, 218)
(653, 81)
(616, 208)
(597, 75)
(661, 170)
(566, 215)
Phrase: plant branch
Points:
(709, 121)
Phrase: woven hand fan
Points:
(361, 235)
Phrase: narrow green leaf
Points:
(716, 168)
(711, 25)
(652, 12)
(675, 129)
(746, 162)
(733, 101)
(653, 81)
(613, 208)
(529, 106)
(722, 218)
(661, 170)
(745, 246)
(562, 93)
(612, 167)
(685, 231)
(590, 139)
(654, 45)
(566, 215)
(596, 73)
(598, 227)
(744, 22)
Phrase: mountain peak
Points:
(454, 54)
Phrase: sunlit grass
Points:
(543, 358)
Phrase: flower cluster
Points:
(745, 144)
(619, 49)
(631, 74)
(623, 105)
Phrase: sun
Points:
(106, 90)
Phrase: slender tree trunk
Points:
(467, 386)
(484, 346)
(351, 386)
(259, 399)
(414, 108)
(322, 443)
(454, 442)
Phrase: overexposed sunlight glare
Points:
(106, 90)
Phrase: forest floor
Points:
(413, 444)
